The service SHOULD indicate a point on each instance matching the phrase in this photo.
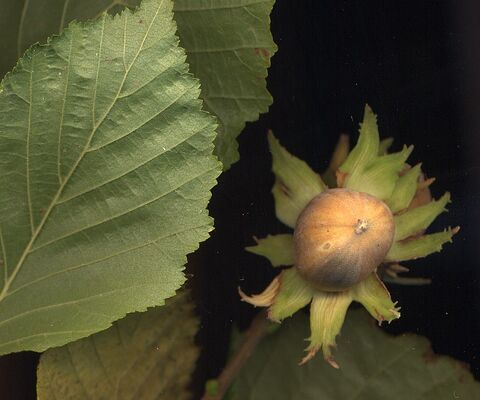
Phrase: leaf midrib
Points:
(59, 192)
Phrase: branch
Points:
(250, 340)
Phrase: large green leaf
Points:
(106, 168)
(228, 43)
(374, 366)
(229, 46)
(147, 355)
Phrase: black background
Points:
(417, 63)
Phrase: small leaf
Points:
(327, 314)
(417, 220)
(384, 145)
(106, 167)
(366, 149)
(420, 247)
(380, 176)
(374, 296)
(367, 169)
(295, 183)
(277, 248)
(405, 190)
(373, 366)
(144, 356)
(293, 294)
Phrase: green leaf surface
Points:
(277, 248)
(147, 355)
(420, 247)
(373, 366)
(367, 147)
(404, 190)
(380, 177)
(228, 43)
(296, 184)
(106, 167)
(418, 219)
(293, 294)
(229, 46)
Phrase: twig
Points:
(250, 340)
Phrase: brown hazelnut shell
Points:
(341, 237)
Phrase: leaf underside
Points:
(228, 44)
(107, 158)
(148, 355)
(374, 366)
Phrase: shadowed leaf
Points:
(148, 355)
(374, 366)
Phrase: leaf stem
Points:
(250, 340)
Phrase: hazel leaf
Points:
(143, 356)
(373, 366)
(229, 46)
(228, 43)
(107, 157)
(277, 248)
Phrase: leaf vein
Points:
(62, 114)
(93, 262)
(52, 204)
(27, 163)
(137, 166)
(4, 257)
(142, 124)
(228, 49)
(67, 303)
(74, 368)
(121, 214)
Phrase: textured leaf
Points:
(405, 190)
(277, 248)
(374, 366)
(229, 46)
(106, 167)
(366, 168)
(380, 177)
(296, 184)
(417, 220)
(293, 294)
(228, 42)
(374, 296)
(147, 355)
(420, 247)
(367, 146)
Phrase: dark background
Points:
(417, 63)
